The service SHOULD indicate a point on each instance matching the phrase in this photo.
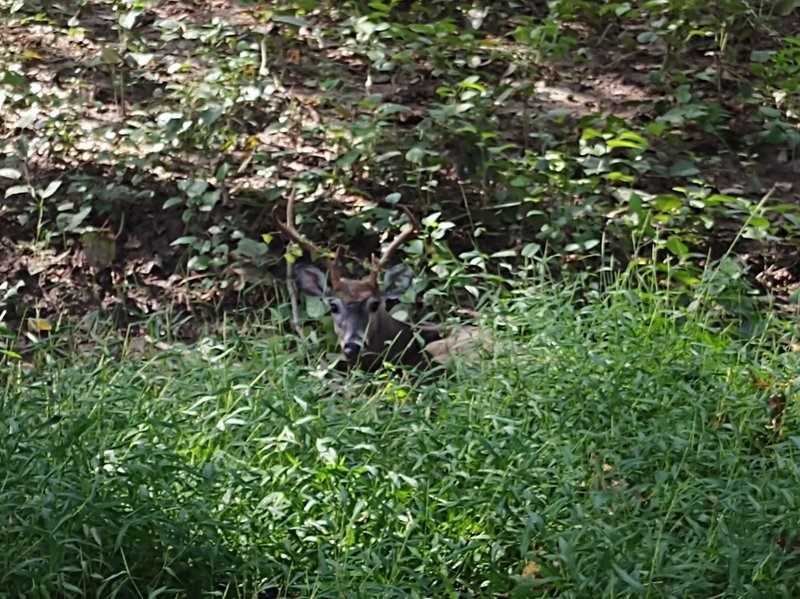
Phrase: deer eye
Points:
(334, 306)
(373, 305)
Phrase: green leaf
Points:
(590, 133)
(677, 247)
(347, 159)
(519, 181)
(416, 154)
(173, 201)
(471, 83)
(210, 116)
(110, 56)
(193, 187)
(761, 55)
(200, 262)
(222, 171)
(77, 219)
(251, 248)
(292, 20)
(758, 222)
(415, 247)
(17, 189)
(389, 109)
(530, 250)
(646, 37)
(590, 243)
(627, 578)
(51, 189)
(667, 203)
(209, 199)
(655, 128)
(624, 143)
(186, 240)
(784, 8)
(683, 168)
(10, 173)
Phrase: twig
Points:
(293, 299)
(290, 276)
(121, 225)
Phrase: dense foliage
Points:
(611, 446)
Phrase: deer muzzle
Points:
(351, 349)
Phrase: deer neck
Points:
(390, 340)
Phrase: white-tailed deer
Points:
(368, 333)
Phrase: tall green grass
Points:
(621, 442)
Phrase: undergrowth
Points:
(613, 444)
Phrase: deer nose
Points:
(351, 349)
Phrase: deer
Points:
(368, 334)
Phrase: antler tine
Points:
(290, 232)
(377, 267)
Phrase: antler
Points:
(377, 267)
(308, 247)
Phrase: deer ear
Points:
(396, 280)
(311, 280)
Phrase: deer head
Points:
(367, 333)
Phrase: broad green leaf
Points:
(186, 240)
(292, 20)
(388, 109)
(348, 158)
(530, 250)
(193, 187)
(667, 203)
(759, 222)
(677, 247)
(199, 262)
(646, 37)
(416, 154)
(110, 56)
(683, 168)
(17, 189)
(77, 219)
(589, 244)
(173, 201)
(622, 143)
(761, 55)
(10, 173)
(251, 248)
(210, 115)
(784, 8)
(51, 189)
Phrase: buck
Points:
(368, 334)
